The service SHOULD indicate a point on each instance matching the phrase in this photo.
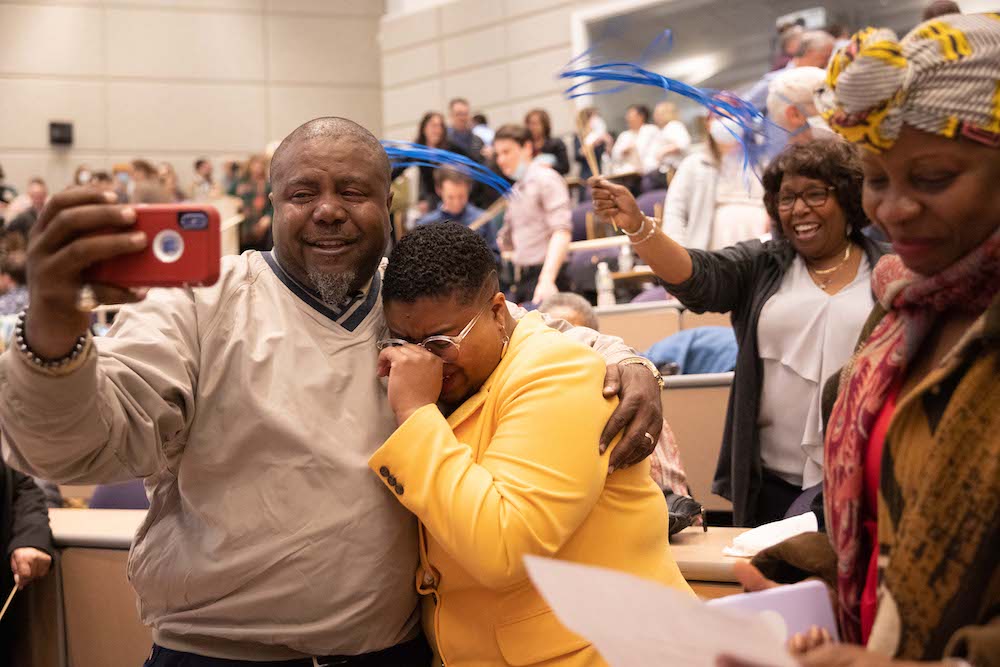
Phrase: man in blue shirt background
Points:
(453, 189)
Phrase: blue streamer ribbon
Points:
(720, 103)
(406, 154)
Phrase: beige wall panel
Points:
(536, 74)
(56, 167)
(195, 117)
(468, 14)
(411, 64)
(292, 106)
(406, 132)
(400, 31)
(323, 50)
(29, 104)
(482, 86)
(499, 114)
(482, 47)
(518, 7)
(539, 31)
(198, 5)
(406, 104)
(71, 37)
(182, 45)
(329, 7)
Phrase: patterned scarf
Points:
(913, 305)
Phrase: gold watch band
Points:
(642, 361)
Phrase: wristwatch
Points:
(642, 361)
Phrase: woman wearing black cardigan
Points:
(543, 143)
(797, 305)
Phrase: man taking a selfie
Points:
(250, 408)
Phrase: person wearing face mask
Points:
(537, 222)
(712, 202)
(797, 304)
(790, 106)
(912, 488)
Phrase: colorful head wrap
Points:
(942, 78)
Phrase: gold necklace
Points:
(825, 282)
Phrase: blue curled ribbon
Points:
(406, 154)
(721, 103)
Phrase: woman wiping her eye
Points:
(494, 455)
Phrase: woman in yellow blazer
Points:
(495, 454)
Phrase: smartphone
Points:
(184, 248)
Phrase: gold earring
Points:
(506, 344)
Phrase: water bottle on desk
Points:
(626, 260)
(605, 285)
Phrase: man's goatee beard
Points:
(333, 288)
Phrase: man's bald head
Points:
(329, 127)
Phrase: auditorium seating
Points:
(695, 408)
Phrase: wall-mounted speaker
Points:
(60, 134)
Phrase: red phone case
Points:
(184, 247)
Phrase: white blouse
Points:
(804, 335)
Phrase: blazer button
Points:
(383, 471)
(399, 489)
(391, 480)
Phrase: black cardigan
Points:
(739, 280)
(557, 149)
(24, 519)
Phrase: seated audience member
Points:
(460, 129)
(432, 133)
(103, 181)
(203, 187)
(786, 45)
(669, 147)
(815, 49)
(596, 137)
(7, 195)
(912, 478)
(712, 201)
(38, 194)
(13, 291)
(255, 191)
(481, 128)
(666, 468)
(492, 454)
(82, 175)
(940, 8)
(696, 351)
(26, 542)
(546, 148)
(250, 409)
(797, 304)
(537, 222)
(453, 189)
(167, 176)
(633, 149)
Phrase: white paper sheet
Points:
(637, 623)
(750, 543)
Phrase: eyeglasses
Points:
(445, 347)
(812, 197)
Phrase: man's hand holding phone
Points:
(83, 237)
(77, 229)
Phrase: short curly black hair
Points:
(833, 161)
(441, 259)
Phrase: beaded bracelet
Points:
(649, 235)
(40, 362)
(642, 228)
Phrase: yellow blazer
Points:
(515, 470)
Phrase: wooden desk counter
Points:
(101, 529)
(699, 556)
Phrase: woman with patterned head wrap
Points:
(912, 474)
